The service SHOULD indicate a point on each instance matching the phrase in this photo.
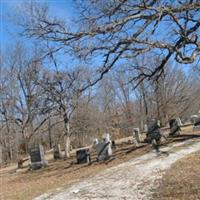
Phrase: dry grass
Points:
(25, 185)
(182, 181)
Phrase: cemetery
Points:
(99, 99)
(84, 162)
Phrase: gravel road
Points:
(132, 180)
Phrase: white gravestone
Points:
(145, 128)
(103, 148)
(179, 122)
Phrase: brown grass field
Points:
(182, 181)
(25, 184)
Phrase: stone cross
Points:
(37, 157)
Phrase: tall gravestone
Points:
(145, 128)
(103, 148)
(174, 125)
(37, 157)
(153, 130)
(57, 154)
(179, 122)
(136, 136)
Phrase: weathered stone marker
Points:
(37, 157)
(145, 128)
(103, 148)
(153, 130)
(154, 134)
(197, 124)
(193, 118)
(174, 125)
(136, 136)
(83, 156)
(179, 122)
(57, 154)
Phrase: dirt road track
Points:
(132, 180)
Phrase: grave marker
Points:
(83, 156)
(197, 124)
(174, 125)
(193, 118)
(103, 148)
(153, 127)
(145, 128)
(136, 136)
(37, 157)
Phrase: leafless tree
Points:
(121, 31)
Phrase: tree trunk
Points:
(49, 133)
(67, 139)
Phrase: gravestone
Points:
(153, 130)
(197, 124)
(145, 128)
(174, 125)
(83, 156)
(193, 118)
(57, 154)
(179, 122)
(103, 148)
(136, 136)
(37, 157)
(95, 141)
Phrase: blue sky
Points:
(8, 31)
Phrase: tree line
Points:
(111, 72)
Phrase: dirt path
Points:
(135, 179)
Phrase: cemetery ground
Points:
(182, 180)
(24, 184)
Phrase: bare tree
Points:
(62, 90)
(121, 31)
